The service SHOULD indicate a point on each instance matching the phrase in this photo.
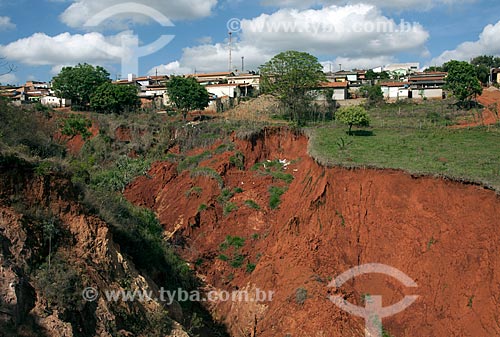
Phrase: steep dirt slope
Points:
(442, 234)
(83, 254)
(489, 99)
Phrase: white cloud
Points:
(422, 5)
(172, 68)
(347, 31)
(487, 44)
(354, 35)
(205, 40)
(357, 63)
(6, 23)
(82, 10)
(9, 79)
(216, 57)
(57, 68)
(208, 58)
(41, 49)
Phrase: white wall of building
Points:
(340, 94)
(409, 66)
(427, 93)
(352, 78)
(222, 90)
(395, 92)
(55, 102)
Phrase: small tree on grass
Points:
(187, 94)
(353, 116)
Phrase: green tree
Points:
(353, 116)
(483, 74)
(384, 75)
(483, 66)
(434, 69)
(76, 125)
(114, 98)
(290, 76)
(50, 231)
(187, 94)
(371, 75)
(488, 61)
(78, 83)
(373, 93)
(462, 81)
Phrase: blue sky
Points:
(40, 37)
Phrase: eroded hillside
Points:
(52, 248)
(260, 213)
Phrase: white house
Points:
(428, 85)
(340, 89)
(253, 80)
(222, 90)
(212, 78)
(396, 90)
(55, 102)
(402, 67)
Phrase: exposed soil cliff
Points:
(442, 234)
(51, 248)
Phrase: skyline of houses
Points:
(404, 82)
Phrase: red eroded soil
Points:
(444, 235)
(123, 134)
(75, 144)
(490, 99)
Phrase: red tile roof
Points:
(216, 74)
(394, 84)
(223, 85)
(333, 85)
(431, 73)
(426, 78)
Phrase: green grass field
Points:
(415, 138)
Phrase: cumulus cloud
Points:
(354, 35)
(487, 44)
(215, 57)
(41, 49)
(6, 23)
(422, 5)
(205, 40)
(357, 63)
(77, 14)
(172, 68)
(353, 30)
